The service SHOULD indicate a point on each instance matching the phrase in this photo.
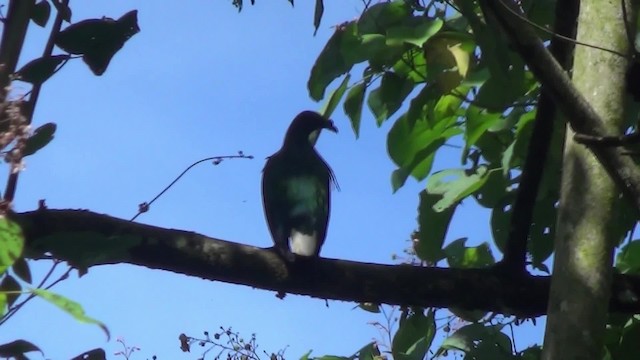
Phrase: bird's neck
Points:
(300, 144)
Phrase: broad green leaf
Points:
(412, 65)
(498, 93)
(11, 243)
(353, 106)
(331, 64)
(414, 336)
(448, 57)
(317, 15)
(478, 122)
(40, 13)
(461, 256)
(39, 70)
(399, 177)
(412, 144)
(414, 30)
(450, 105)
(455, 184)
(387, 99)
(335, 97)
(70, 307)
(17, 348)
(11, 288)
(40, 138)
(432, 228)
(358, 48)
(379, 17)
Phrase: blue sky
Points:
(202, 80)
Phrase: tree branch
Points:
(566, 14)
(580, 114)
(86, 239)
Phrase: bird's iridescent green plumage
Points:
(296, 189)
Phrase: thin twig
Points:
(144, 207)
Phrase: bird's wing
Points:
(274, 204)
(323, 214)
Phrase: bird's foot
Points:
(286, 254)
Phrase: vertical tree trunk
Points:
(580, 287)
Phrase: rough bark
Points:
(586, 232)
(86, 239)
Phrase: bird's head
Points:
(306, 127)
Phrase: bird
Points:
(296, 189)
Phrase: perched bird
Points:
(296, 187)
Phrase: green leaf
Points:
(70, 307)
(381, 16)
(499, 92)
(353, 106)
(432, 228)
(17, 348)
(465, 183)
(331, 63)
(628, 260)
(415, 30)
(40, 13)
(11, 243)
(11, 288)
(412, 65)
(40, 138)
(367, 352)
(414, 336)
(335, 97)
(39, 70)
(461, 256)
(412, 145)
(478, 122)
(317, 15)
(306, 355)
(387, 99)
(466, 338)
(98, 40)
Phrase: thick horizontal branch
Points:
(86, 239)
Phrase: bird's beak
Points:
(330, 126)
